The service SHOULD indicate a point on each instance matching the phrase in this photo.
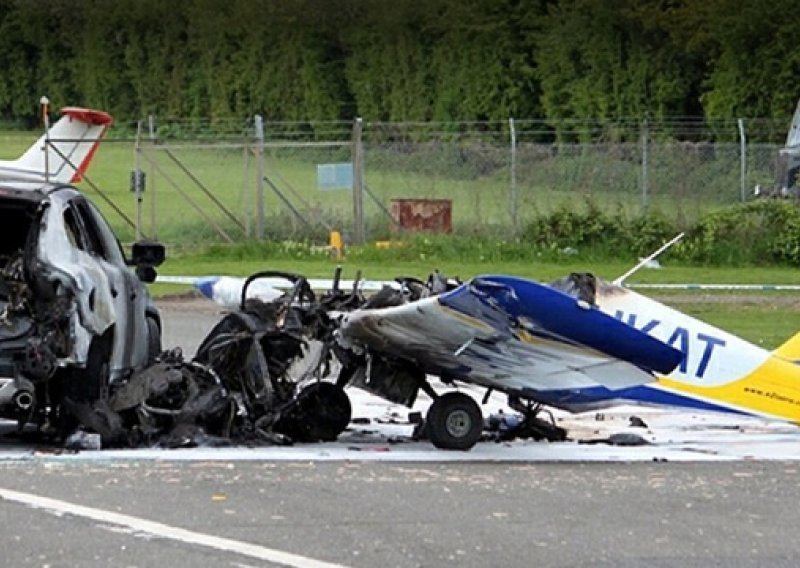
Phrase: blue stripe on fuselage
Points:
(576, 400)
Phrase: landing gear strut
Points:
(532, 426)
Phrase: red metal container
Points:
(429, 215)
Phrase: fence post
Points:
(514, 221)
(245, 197)
(743, 160)
(137, 172)
(358, 183)
(151, 125)
(45, 103)
(259, 127)
(645, 136)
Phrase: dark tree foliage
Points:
(401, 60)
(613, 61)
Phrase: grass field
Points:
(208, 192)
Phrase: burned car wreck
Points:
(74, 318)
(269, 372)
(256, 378)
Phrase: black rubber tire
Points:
(320, 413)
(154, 347)
(454, 422)
(85, 385)
(89, 384)
(334, 411)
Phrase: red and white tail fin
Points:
(63, 154)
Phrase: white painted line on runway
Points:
(160, 530)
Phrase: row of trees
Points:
(402, 60)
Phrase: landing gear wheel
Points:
(153, 341)
(454, 422)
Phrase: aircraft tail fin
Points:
(790, 349)
(64, 152)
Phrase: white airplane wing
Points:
(513, 335)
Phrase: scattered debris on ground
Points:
(619, 439)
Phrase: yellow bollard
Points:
(336, 246)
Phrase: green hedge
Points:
(759, 232)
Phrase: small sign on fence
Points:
(138, 178)
(335, 176)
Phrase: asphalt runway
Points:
(186, 322)
(381, 514)
(103, 511)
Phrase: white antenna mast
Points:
(619, 281)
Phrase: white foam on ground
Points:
(673, 435)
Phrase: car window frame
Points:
(73, 227)
(100, 240)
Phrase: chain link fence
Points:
(195, 182)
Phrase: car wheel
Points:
(454, 422)
(153, 340)
(89, 384)
(83, 387)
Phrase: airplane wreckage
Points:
(275, 371)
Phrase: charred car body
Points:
(256, 378)
(74, 318)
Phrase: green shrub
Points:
(758, 232)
